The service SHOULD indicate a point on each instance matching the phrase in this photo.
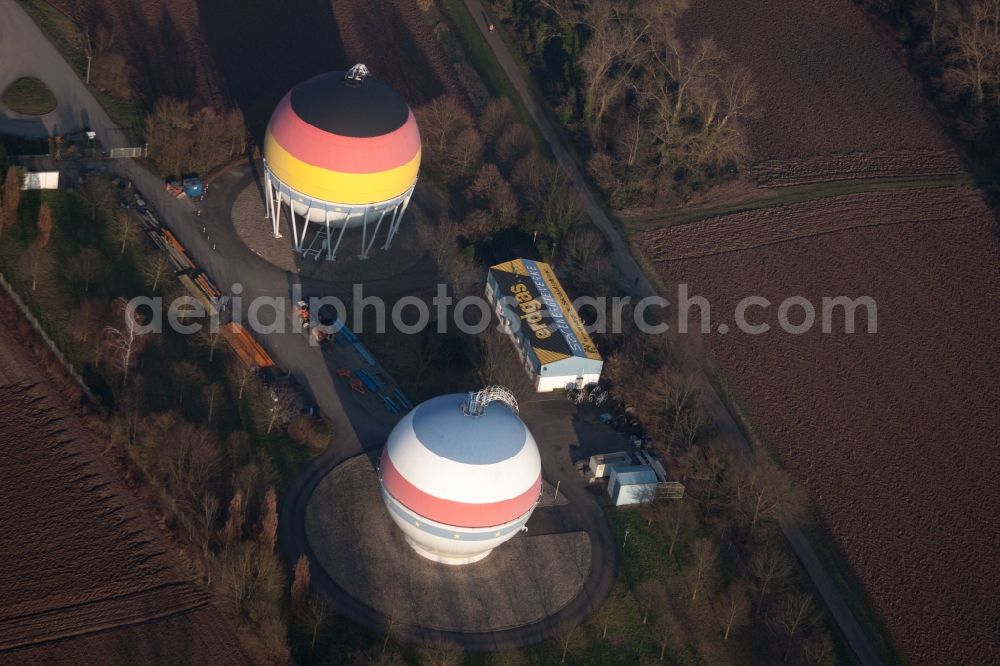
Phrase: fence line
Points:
(48, 341)
(126, 152)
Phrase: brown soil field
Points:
(86, 575)
(894, 434)
(834, 100)
(252, 51)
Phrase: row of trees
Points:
(499, 180)
(186, 419)
(184, 139)
(956, 45)
(657, 115)
(729, 519)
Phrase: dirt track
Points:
(895, 434)
(835, 102)
(86, 576)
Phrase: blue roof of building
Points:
(634, 474)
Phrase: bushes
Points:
(656, 118)
(182, 139)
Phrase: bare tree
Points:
(300, 580)
(313, 614)
(704, 556)
(817, 650)
(569, 640)
(494, 205)
(760, 491)
(233, 530)
(269, 521)
(209, 338)
(124, 341)
(673, 515)
(11, 198)
(125, 230)
(674, 413)
(211, 394)
(42, 235)
(496, 116)
(735, 607)
(203, 524)
(973, 64)
(464, 153)
(668, 629)
(89, 266)
(240, 375)
(155, 269)
(97, 193)
(769, 567)
(793, 614)
(608, 58)
(442, 653)
(441, 121)
(653, 598)
(515, 142)
(280, 404)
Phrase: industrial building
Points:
(555, 349)
(632, 484)
(460, 474)
(341, 151)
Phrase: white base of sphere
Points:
(444, 558)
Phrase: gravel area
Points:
(522, 581)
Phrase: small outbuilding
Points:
(634, 484)
(602, 463)
(555, 348)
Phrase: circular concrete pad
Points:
(520, 582)
(248, 216)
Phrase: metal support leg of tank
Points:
(397, 219)
(295, 228)
(332, 253)
(274, 207)
(267, 197)
(364, 235)
(392, 227)
(378, 225)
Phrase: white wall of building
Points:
(40, 180)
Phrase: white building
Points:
(635, 484)
(554, 346)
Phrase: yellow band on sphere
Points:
(337, 186)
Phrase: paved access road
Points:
(24, 51)
(633, 281)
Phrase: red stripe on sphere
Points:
(459, 514)
(343, 153)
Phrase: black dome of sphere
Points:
(365, 109)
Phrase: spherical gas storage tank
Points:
(461, 474)
(341, 142)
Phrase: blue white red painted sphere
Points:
(458, 484)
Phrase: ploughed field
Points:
(835, 103)
(252, 51)
(896, 434)
(86, 576)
